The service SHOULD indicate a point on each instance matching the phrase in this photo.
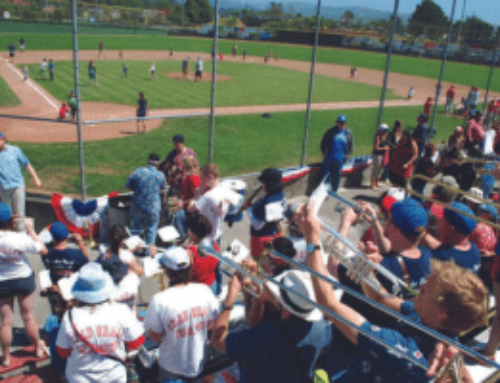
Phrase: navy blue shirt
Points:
(338, 146)
(267, 356)
(418, 269)
(64, 260)
(376, 363)
(142, 106)
(263, 219)
(421, 133)
(469, 259)
(51, 67)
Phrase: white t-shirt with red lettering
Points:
(185, 313)
(13, 250)
(109, 327)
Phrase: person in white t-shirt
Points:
(180, 318)
(199, 70)
(117, 236)
(96, 336)
(17, 281)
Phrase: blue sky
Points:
(488, 10)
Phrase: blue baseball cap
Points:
(423, 117)
(491, 210)
(5, 212)
(177, 138)
(460, 222)
(409, 216)
(59, 231)
(342, 118)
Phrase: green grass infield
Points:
(243, 143)
(460, 73)
(238, 84)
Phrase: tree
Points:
(276, 11)
(348, 17)
(428, 19)
(164, 5)
(476, 29)
(206, 12)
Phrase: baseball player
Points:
(185, 67)
(12, 51)
(43, 68)
(199, 70)
(153, 70)
(125, 70)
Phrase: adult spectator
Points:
(266, 213)
(185, 67)
(61, 260)
(473, 98)
(441, 304)
(474, 134)
(492, 112)
(96, 335)
(147, 183)
(173, 165)
(204, 266)
(443, 195)
(425, 167)
(282, 351)
(180, 318)
(336, 145)
(17, 281)
(392, 140)
(420, 133)
(492, 346)
(12, 189)
(457, 139)
(454, 238)
(484, 236)
(380, 149)
(401, 162)
(428, 107)
(450, 97)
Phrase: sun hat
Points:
(459, 129)
(460, 222)
(5, 212)
(115, 267)
(177, 138)
(342, 118)
(59, 231)
(270, 175)
(176, 259)
(384, 127)
(301, 283)
(409, 216)
(476, 192)
(397, 193)
(93, 285)
(491, 210)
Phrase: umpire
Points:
(336, 145)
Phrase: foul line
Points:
(34, 87)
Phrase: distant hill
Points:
(306, 9)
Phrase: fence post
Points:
(443, 66)
(388, 63)
(493, 64)
(77, 94)
(311, 83)
(214, 83)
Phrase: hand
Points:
(235, 287)
(349, 216)
(439, 358)
(28, 224)
(367, 208)
(405, 166)
(308, 223)
(77, 237)
(38, 183)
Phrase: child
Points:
(410, 93)
(63, 111)
(25, 73)
(125, 70)
(153, 70)
(43, 67)
(51, 327)
(120, 54)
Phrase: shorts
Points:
(11, 54)
(18, 286)
(198, 73)
(141, 113)
(22, 47)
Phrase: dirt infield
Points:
(190, 77)
(36, 102)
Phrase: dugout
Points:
(307, 38)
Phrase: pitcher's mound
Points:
(190, 77)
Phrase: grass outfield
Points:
(7, 96)
(242, 144)
(250, 84)
(460, 73)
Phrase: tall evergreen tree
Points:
(429, 19)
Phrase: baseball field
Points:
(244, 140)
